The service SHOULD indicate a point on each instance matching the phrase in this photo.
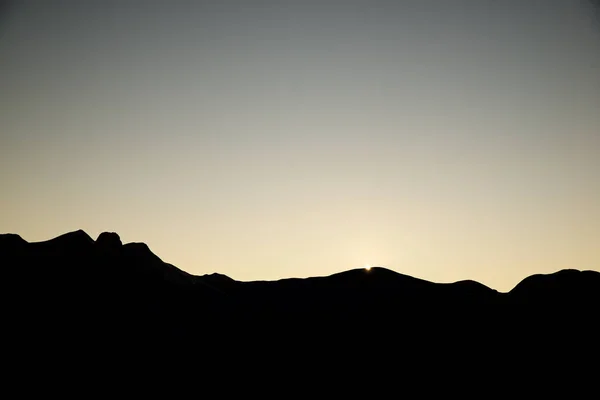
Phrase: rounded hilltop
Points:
(109, 241)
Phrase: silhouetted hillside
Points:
(72, 294)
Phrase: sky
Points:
(445, 140)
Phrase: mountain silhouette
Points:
(73, 296)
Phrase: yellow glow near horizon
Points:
(472, 156)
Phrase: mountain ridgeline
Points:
(74, 291)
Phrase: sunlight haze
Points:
(445, 140)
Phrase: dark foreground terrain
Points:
(82, 301)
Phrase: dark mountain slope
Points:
(74, 295)
(568, 286)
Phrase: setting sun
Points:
(368, 267)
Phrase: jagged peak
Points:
(11, 239)
(140, 249)
(137, 246)
(109, 241)
(11, 236)
(78, 236)
(216, 275)
(79, 233)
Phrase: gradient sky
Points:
(446, 139)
